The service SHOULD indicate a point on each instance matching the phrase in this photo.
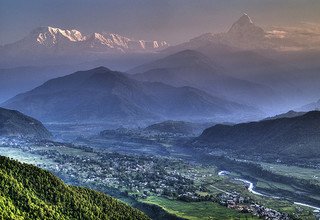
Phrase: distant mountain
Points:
(192, 68)
(244, 34)
(54, 40)
(311, 106)
(104, 95)
(296, 137)
(182, 59)
(45, 196)
(293, 76)
(14, 123)
(247, 52)
(52, 46)
(289, 114)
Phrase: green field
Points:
(197, 210)
(294, 171)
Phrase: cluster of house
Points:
(235, 201)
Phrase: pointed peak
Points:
(245, 26)
(244, 33)
(244, 19)
(101, 69)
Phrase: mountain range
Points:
(244, 34)
(103, 95)
(251, 77)
(193, 68)
(245, 65)
(55, 40)
(55, 46)
(51, 45)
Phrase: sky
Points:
(172, 20)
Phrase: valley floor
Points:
(190, 190)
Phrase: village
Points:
(246, 205)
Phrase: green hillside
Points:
(28, 192)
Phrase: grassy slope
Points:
(197, 210)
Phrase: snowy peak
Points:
(97, 40)
(56, 40)
(244, 23)
(244, 20)
(121, 43)
(116, 39)
(98, 37)
(51, 35)
(245, 34)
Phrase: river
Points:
(251, 189)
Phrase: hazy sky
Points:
(171, 20)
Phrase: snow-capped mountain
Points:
(50, 36)
(100, 41)
(245, 28)
(51, 40)
(244, 34)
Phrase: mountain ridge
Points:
(102, 94)
(244, 34)
(295, 137)
(47, 39)
(193, 68)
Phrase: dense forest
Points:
(28, 192)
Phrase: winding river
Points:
(251, 189)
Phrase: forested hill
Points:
(28, 192)
(16, 124)
(296, 137)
